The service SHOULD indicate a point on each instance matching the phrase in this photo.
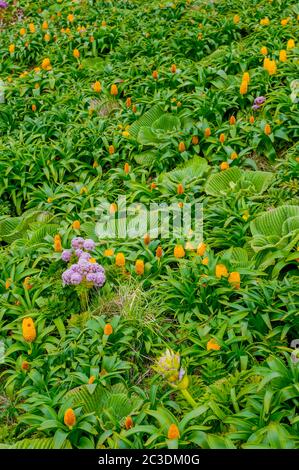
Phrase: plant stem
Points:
(189, 398)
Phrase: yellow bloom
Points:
(139, 267)
(201, 249)
(129, 422)
(235, 279)
(108, 330)
(212, 345)
(8, 283)
(182, 147)
(97, 87)
(11, 48)
(264, 50)
(234, 156)
(224, 166)
(207, 132)
(28, 330)
(290, 44)
(246, 77)
(69, 418)
(76, 224)
(265, 22)
(205, 261)
(31, 28)
(76, 53)
(245, 215)
(236, 19)
(22, 31)
(109, 252)
(159, 252)
(284, 21)
(222, 138)
(283, 55)
(111, 149)
(46, 64)
(173, 432)
(220, 271)
(113, 90)
(243, 88)
(45, 25)
(70, 18)
(179, 251)
(180, 189)
(120, 260)
(267, 129)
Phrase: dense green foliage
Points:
(155, 101)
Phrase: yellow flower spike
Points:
(120, 260)
(179, 251)
(173, 432)
(28, 330)
(139, 267)
(212, 345)
(220, 271)
(69, 418)
(235, 279)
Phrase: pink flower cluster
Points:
(85, 269)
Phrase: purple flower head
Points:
(76, 278)
(66, 276)
(66, 255)
(84, 255)
(99, 279)
(3, 4)
(89, 245)
(255, 107)
(259, 100)
(77, 242)
(79, 252)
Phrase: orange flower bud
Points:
(267, 129)
(76, 225)
(126, 168)
(76, 53)
(129, 422)
(97, 87)
(111, 149)
(264, 50)
(109, 252)
(120, 260)
(155, 74)
(173, 68)
(179, 251)
(243, 88)
(235, 279)
(28, 330)
(212, 345)
(91, 379)
(139, 267)
(180, 189)
(128, 102)
(195, 140)
(159, 252)
(221, 270)
(173, 432)
(201, 249)
(146, 239)
(113, 208)
(25, 365)
(224, 166)
(251, 119)
(232, 120)
(222, 138)
(182, 147)
(207, 132)
(69, 418)
(108, 330)
(113, 90)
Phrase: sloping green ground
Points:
(185, 345)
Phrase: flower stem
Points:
(189, 398)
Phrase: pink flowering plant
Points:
(83, 271)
